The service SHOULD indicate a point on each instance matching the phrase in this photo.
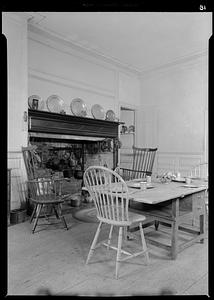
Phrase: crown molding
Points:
(17, 17)
(57, 41)
(186, 61)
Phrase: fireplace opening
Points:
(69, 159)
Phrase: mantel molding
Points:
(59, 124)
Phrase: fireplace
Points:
(67, 145)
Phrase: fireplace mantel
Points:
(59, 124)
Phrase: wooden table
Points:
(172, 204)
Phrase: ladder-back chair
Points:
(142, 165)
(111, 198)
(45, 192)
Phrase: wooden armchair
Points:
(38, 178)
(46, 192)
(142, 165)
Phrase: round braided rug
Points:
(88, 215)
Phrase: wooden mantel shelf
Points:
(54, 123)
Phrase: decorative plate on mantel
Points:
(78, 107)
(41, 103)
(98, 112)
(55, 104)
(110, 115)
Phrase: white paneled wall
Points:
(14, 28)
(176, 162)
(18, 179)
(174, 114)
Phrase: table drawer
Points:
(198, 202)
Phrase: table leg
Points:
(174, 240)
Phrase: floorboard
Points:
(52, 261)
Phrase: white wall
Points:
(14, 28)
(174, 113)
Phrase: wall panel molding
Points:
(68, 83)
(177, 161)
(18, 179)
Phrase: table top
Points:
(166, 191)
(161, 192)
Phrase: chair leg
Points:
(61, 216)
(144, 243)
(39, 207)
(125, 233)
(156, 224)
(33, 213)
(46, 216)
(120, 236)
(109, 237)
(94, 242)
(56, 213)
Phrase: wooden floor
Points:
(52, 261)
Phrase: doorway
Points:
(127, 135)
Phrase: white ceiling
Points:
(140, 40)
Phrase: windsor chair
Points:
(142, 164)
(46, 192)
(111, 198)
(38, 181)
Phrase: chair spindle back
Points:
(109, 193)
(143, 161)
(45, 189)
(30, 161)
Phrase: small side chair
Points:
(46, 192)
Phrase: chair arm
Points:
(129, 174)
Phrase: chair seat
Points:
(51, 201)
(135, 217)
